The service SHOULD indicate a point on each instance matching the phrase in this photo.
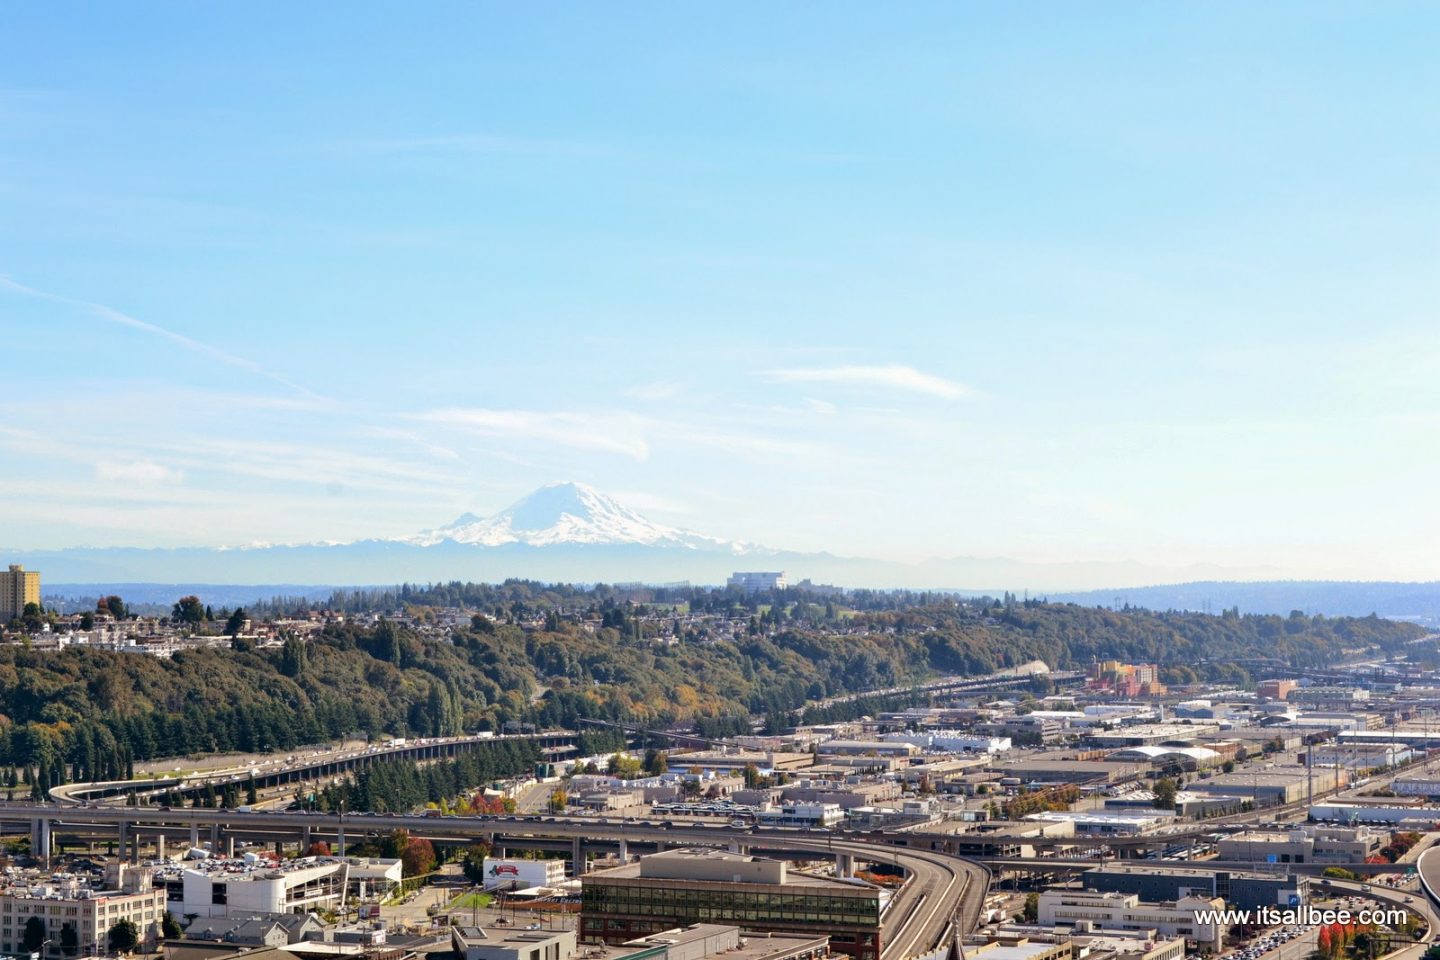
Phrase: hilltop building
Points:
(757, 581)
(18, 587)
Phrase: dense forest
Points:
(82, 713)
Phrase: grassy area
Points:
(470, 901)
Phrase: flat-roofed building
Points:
(236, 888)
(1247, 891)
(1110, 910)
(1305, 844)
(474, 943)
(88, 912)
(680, 887)
(1021, 948)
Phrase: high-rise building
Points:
(18, 587)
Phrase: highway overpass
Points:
(941, 899)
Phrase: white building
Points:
(501, 873)
(1126, 911)
(800, 815)
(757, 581)
(951, 741)
(87, 912)
(235, 888)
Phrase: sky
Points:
(1049, 281)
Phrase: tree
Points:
(34, 935)
(112, 605)
(169, 926)
(69, 940)
(418, 857)
(318, 848)
(188, 610)
(1030, 913)
(559, 800)
(87, 621)
(124, 936)
(236, 622)
(1164, 794)
(473, 866)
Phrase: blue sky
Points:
(1049, 281)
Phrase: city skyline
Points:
(1148, 286)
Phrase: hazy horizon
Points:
(1139, 285)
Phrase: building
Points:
(502, 873)
(1020, 948)
(473, 943)
(800, 815)
(753, 582)
(88, 913)
(1247, 891)
(1308, 844)
(701, 940)
(1103, 823)
(246, 888)
(1125, 679)
(866, 748)
(1416, 786)
(1274, 785)
(1275, 689)
(1187, 804)
(1125, 911)
(683, 886)
(18, 587)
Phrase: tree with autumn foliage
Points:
(418, 857)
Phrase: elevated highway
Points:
(305, 769)
(941, 899)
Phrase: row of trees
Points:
(399, 785)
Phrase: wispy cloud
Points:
(891, 376)
(657, 390)
(137, 471)
(609, 432)
(114, 316)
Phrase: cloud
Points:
(610, 433)
(894, 376)
(125, 320)
(658, 390)
(137, 471)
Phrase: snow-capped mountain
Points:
(564, 513)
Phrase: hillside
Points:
(97, 711)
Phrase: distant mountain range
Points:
(573, 533)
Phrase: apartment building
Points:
(76, 914)
(18, 587)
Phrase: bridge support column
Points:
(305, 838)
(624, 850)
(741, 849)
(194, 835)
(844, 865)
(124, 841)
(40, 840)
(160, 847)
(230, 847)
(214, 837)
(577, 857)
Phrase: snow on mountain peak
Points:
(563, 513)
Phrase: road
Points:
(942, 893)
